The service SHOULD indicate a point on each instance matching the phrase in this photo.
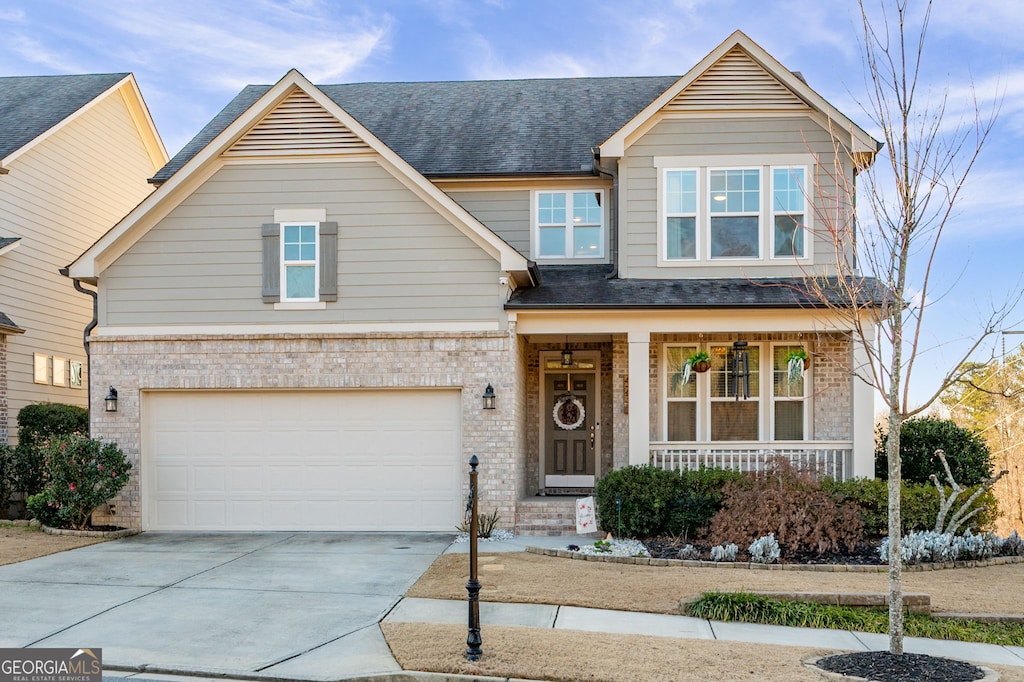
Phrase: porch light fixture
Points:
(567, 358)
(489, 397)
(110, 402)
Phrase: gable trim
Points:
(10, 247)
(211, 158)
(616, 145)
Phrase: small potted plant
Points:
(796, 363)
(700, 361)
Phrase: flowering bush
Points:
(83, 474)
(764, 550)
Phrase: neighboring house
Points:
(75, 152)
(304, 319)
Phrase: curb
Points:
(105, 534)
(398, 676)
(821, 568)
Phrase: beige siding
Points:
(398, 259)
(735, 82)
(59, 197)
(506, 213)
(708, 138)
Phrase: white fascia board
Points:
(10, 247)
(139, 111)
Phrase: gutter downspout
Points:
(86, 332)
(613, 213)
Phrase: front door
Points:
(569, 455)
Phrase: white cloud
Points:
(35, 52)
(12, 15)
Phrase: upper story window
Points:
(717, 214)
(299, 263)
(569, 225)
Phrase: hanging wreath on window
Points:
(568, 412)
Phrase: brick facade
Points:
(421, 360)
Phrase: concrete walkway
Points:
(306, 606)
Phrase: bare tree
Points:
(883, 278)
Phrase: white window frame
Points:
(766, 397)
(666, 214)
(805, 398)
(766, 164)
(569, 254)
(285, 264)
(759, 214)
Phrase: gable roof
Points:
(7, 243)
(753, 75)
(513, 127)
(32, 105)
(205, 160)
(7, 325)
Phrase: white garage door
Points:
(340, 460)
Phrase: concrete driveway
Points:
(298, 605)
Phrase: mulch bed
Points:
(882, 666)
(865, 554)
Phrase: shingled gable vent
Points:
(328, 262)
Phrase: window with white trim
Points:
(299, 262)
(727, 402)
(569, 224)
(747, 212)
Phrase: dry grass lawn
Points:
(19, 543)
(545, 654)
(533, 578)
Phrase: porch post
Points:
(639, 397)
(863, 418)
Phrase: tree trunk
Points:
(892, 451)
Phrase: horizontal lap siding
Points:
(59, 197)
(506, 213)
(398, 260)
(755, 136)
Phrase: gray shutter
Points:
(328, 261)
(271, 262)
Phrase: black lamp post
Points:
(473, 639)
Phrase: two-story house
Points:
(338, 294)
(75, 153)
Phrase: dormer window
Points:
(568, 225)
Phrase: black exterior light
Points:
(489, 397)
(567, 357)
(110, 402)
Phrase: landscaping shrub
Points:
(39, 422)
(919, 505)
(83, 474)
(658, 502)
(7, 479)
(966, 451)
(646, 494)
(793, 506)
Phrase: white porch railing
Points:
(828, 458)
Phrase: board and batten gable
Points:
(728, 138)
(59, 196)
(398, 260)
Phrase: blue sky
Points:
(192, 56)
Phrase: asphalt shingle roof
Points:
(511, 127)
(31, 105)
(6, 322)
(7, 241)
(587, 287)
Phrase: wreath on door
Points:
(568, 413)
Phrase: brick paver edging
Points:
(106, 534)
(823, 568)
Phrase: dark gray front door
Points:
(569, 430)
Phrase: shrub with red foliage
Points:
(791, 504)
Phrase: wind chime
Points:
(739, 381)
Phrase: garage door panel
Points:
(354, 460)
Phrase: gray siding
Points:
(398, 260)
(734, 136)
(506, 213)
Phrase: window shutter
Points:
(328, 261)
(271, 262)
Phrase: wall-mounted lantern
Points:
(110, 402)
(489, 397)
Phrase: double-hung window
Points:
(569, 225)
(789, 394)
(716, 214)
(299, 262)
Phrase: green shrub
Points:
(919, 505)
(792, 505)
(7, 480)
(658, 502)
(39, 422)
(21, 471)
(83, 474)
(966, 452)
(699, 499)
